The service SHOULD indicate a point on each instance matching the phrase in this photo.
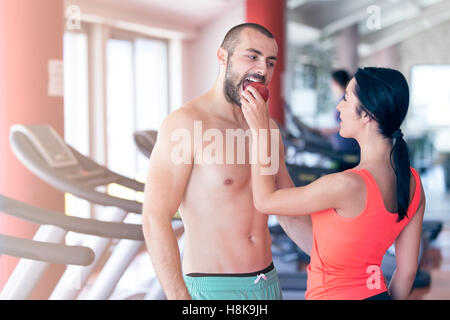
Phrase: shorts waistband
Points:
(217, 282)
(249, 274)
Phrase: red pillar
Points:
(271, 14)
(31, 33)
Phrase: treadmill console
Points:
(49, 144)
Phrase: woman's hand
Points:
(255, 109)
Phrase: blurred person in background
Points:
(339, 81)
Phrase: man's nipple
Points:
(228, 182)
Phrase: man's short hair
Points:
(231, 39)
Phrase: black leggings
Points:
(382, 296)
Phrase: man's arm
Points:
(299, 229)
(164, 190)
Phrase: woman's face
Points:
(350, 123)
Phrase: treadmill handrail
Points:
(145, 140)
(42, 170)
(126, 181)
(44, 251)
(114, 230)
(304, 142)
(349, 158)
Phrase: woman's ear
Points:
(366, 118)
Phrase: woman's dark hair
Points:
(384, 95)
(341, 77)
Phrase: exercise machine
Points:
(46, 247)
(44, 251)
(45, 154)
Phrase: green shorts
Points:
(260, 285)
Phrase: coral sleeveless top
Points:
(347, 252)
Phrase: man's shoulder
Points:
(183, 117)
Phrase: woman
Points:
(357, 214)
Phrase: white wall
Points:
(125, 18)
(346, 49)
(200, 65)
(385, 58)
(427, 47)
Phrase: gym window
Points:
(136, 98)
(116, 82)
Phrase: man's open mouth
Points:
(247, 81)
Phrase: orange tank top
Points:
(347, 252)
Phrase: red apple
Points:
(262, 89)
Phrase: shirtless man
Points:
(227, 251)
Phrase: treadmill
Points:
(46, 246)
(145, 140)
(299, 138)
(44, 251)
(42, 150)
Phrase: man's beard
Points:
(231, 90)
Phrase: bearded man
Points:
(227, 253)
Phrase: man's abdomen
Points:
(217, 249)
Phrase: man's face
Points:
(253, 59)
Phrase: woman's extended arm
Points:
(330, 191)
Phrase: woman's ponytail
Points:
(401, 164)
